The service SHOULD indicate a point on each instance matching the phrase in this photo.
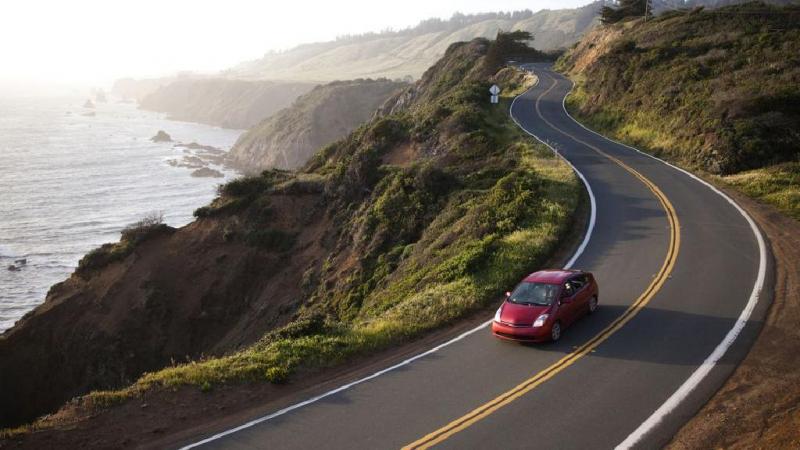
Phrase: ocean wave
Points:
(74, 183)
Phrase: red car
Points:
(544, 304)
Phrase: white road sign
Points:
(495, 89)
(495, 99)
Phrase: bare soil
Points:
(179, 295)
(759, 405)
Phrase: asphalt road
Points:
(675, 273)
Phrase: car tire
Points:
(555, 332)
(593, 304)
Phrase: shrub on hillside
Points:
(269, 239)
(134, 234)
(253, 185)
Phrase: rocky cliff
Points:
(223, 102)
(287, 139)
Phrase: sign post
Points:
(495, 91)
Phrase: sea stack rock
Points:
(205, 172)
(161, 136)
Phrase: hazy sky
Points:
(94, 41)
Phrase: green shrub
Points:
(149, 226)
(203, 211)
(277, 374)
(103, 256)
(269, 239)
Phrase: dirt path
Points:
(759, 405)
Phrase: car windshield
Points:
(539, 294)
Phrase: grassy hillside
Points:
(422, 215)
(221, 102)
(718, 91)
(408, 53)
(287, 139)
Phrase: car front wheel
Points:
(592, 304)
(555, 332)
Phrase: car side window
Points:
(577, 283)
(569, 289)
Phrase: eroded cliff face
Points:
(223, 102)
(204, 289)
(289, 138)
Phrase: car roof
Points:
(554, 276)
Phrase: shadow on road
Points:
(627, 343)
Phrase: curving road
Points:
(680, 269)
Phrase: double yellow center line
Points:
(528, 385)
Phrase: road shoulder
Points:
(758, 405)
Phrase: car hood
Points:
(517, 314)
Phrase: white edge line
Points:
(408, 361)
(337, 390)
(593, 203)
(708, 364)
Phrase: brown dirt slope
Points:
(759, 405)
(178, 295)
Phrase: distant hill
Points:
(287, 139)
(228, 100)
(408, 53)
(223, 102)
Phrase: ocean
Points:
(70, 181)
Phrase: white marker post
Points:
(494, 90)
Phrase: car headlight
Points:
(497, 314)
(540, 320)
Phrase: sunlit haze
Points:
(87, 42)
